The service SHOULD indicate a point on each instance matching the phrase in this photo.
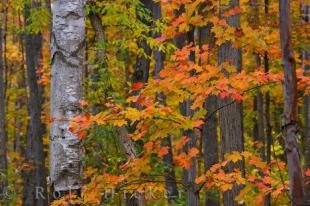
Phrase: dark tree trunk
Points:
(3, 132)
(289, 119)
(307, 146)
(99, 32)
(141, 74)
(210, 146)
(231, 116)
(170, 179)
(142, 67)
(209, 130)
(268, 131)
(35, 191)
(259, 130)
(267, 126)
(190, 174)
(305, 14)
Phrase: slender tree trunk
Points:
(21, 99)
(170, 179)
(35, 191)
(127, 144)
(99, 62)
(99, 32)
(3, 132)
(268, 127)
(268, 131)
(259, 130)
(289, 120)
(305, 14)
(231, 116)
(141, 74)
(68, 59)
(307, 146)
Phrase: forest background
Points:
(180, 102)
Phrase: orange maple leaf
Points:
(163, 151)
(193, 152)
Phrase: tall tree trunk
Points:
(35, 191)
(3, 132)
(259, 130)
(210, 146)
(305, 14)
(209, 130)
(68, 59)
(289, 119)
(189, 175)
(307, 146)
(268, 131)
(170, 179)
(21, 99)
(231, 116)
(268, 127)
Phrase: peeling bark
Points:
(289, 119)
(68, 59)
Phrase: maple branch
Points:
(221, 107)
(139, 181)
(233, 101)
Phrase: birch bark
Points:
(67, 58)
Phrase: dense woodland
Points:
(153, 103)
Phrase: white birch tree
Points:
(67, 59)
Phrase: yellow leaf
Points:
(132, 114)
(234, 156)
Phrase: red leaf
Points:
(307, 172)
(137, 85)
